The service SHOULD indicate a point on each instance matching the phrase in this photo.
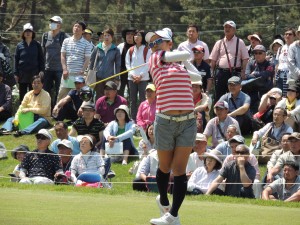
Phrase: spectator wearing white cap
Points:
(294, 58)
(193, 40)
(216, 128)
(29, 60)
(232, 63)
(273, 50)
(51, 44)
(283, 68)
(41, 165)
(260, 68)
(65, 148)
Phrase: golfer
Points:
(175, 124)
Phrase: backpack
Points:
(145, 52)
(62, 37)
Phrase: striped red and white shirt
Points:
(173, 84)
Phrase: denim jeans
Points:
(49, 78)
(38, 124)
(134, 90)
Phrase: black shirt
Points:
(93, 129)
(204, 69)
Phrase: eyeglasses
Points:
(156, 42)
(258, 53)
(288, 34)
(241, 152)
(41, 137)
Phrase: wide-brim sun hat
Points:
(215, 154)
(124, 108)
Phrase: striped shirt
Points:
(173, 84)
(76, 52)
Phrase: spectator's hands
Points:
(111, 141)
(79, 113)
(25, 110)
(2, 56)
(55, 111)
(254, 142)
(41, 73)
(16, 79)
(65, 74)
(1, 109)
(270, 178)
(241, 160)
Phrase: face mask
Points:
(53, 26)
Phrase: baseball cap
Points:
(295, 135)
(80, 137)
(57, 19)
(151, 87)
(201, 137)
(112, 85)
(79, 79)
(259, 48)
(28, 26)
(123, 107)
(88, 31)
(221, 104)
(234, 80)
(230, 23)
(20, 148)
(198, 48)
(293, 88)
(165, 33)
(237, 138)
(65, 143)
(45, 133)
(254, 36)
(88, 105)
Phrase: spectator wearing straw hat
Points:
(255, 39)
(41, 165)
(88, 35)
(18, 153)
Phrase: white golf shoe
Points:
(166, 219)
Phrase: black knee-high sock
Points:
(179, 190)
(162, 180)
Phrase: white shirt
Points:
(186, 45)
(200, 179)
(282, 57)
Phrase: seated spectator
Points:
(5, 100)
(88, 160)
(217, 126)
(203, 176)
(88, 124)
(292, 104)
(147, 108)
(3, 151)
(61, 131)
(106, 104)
(196, 158)
(65, 148)
(37, 102)
(41, 165)
(267, 105)
(270, 134)
(121, 130)
(146, 145)
(224, 147)
(202, 104)
(18, 153)
(274, 157)
(68, 107)
(148, 167)
(203, 67)
(239, 175)
(290, 156)
(239, 104)
(287, 188)
(261, 68)
(234, 142)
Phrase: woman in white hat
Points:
(121, 130)
(175, 124)
(29, 60)
(203, 176)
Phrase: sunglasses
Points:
(197, 52)
(272, 98)
(156, 42)
(41, 137)
(288, 34)
(258, 53)
(241, 152)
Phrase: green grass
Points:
(28, 204)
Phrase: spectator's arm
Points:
(292, 55)
(73, 132)
(240, 111)
(214, 185)
(266, 193)
(294, 198)
(246, 181)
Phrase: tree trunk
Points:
(3, 7)
(87, 11)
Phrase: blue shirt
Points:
(224, 148)
(76, 149)
(239, 101)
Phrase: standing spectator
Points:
(232, 63)
(260, 67)
(217, 126)
(41, 165)
(29, 60)
(51, 44)
(203, 67)
(239, 175)
(5, 100)
(61, 131)
(127, 35)
(294, 58)
(255, 39)
(239, 104)
(147, 108)
(193, 34)
(137, 78)
(75, 57)
(274, 47)
(5, 68)
(106, 60)
(36, 101)
(68, 107)
(106, 105)
(287, 188)
(88, 35)
(282, 73)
